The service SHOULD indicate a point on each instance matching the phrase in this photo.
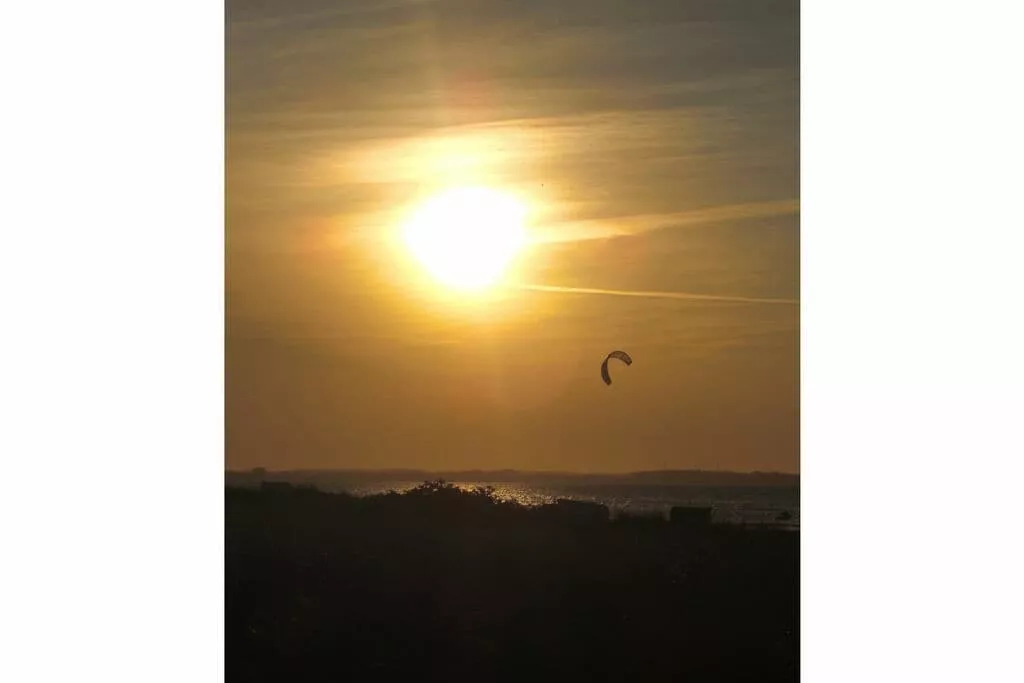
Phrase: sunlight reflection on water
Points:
(731, 504)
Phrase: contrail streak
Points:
(660, 295)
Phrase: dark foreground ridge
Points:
(444, 584)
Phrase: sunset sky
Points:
(653, 148)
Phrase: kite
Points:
(621, 355)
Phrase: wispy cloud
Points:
(658, 295)
(615, 226)
(245, 21)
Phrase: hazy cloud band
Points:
(659, 295)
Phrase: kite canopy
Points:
(621, 355)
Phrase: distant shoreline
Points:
(654, 478)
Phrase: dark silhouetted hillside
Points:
(443, 584)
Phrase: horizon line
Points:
(520, 471)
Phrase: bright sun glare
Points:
(467, 236)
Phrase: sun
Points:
(466, 237)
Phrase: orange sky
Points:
(656, 145)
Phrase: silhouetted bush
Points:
(441, 583)
(573, 511)
(640, 517)
(689, 515)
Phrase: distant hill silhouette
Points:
(657, 477)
